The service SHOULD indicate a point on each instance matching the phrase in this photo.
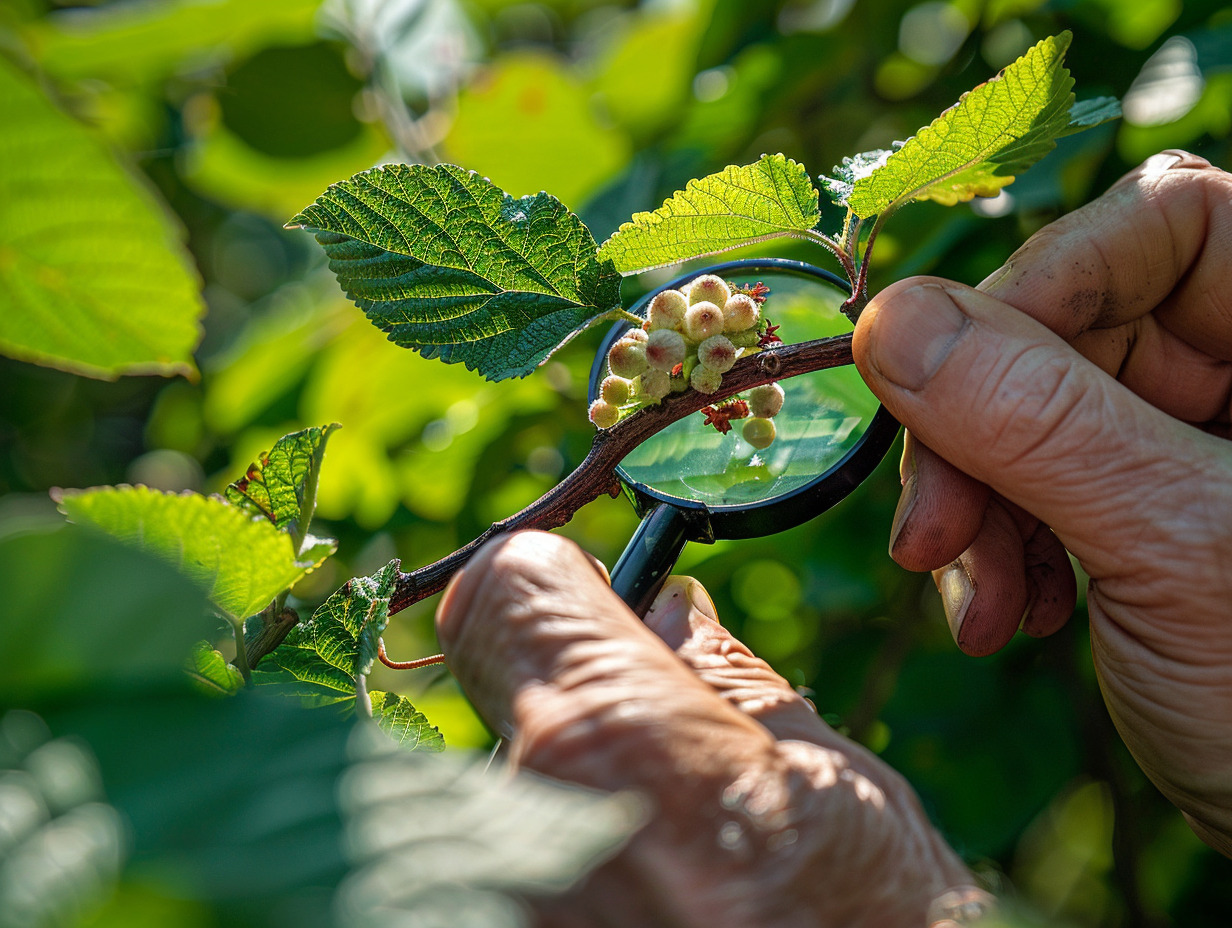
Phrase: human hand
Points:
(761, 814)
(1085, 388)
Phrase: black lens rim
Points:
(779, 513)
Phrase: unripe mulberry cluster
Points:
(690, 339)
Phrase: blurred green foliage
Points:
(240, 113)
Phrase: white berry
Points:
(703, 320)
(667, 310)
(654, 385)
(627, 358)
(717, 353)
(740, 312)
(766, 401)
(708, 288)
(665, 349)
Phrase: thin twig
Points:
(596, 475)
(406, 665)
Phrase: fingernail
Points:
(915, 332)
(668, 616)
(957, 592)
(906, 500)
(1157, 164)
(993, 283)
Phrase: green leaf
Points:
(242, 562)
(740, 205)
(465, 860)
(446, 263)
(210, 672)
(126, 619)
(1086, 114)
(405, 724)
(976, 147)
(281, 485)
(93, 276)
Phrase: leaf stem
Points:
(836, 249)
(596, 475)
(406, 665)
(241, 651)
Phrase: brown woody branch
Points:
(596, 475)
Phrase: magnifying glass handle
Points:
(650, 556)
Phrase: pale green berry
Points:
(616, 390)
(759, 432)
(704, 380)
(665, 349)
(717, 353)
(667, 310)
(708, 288)
(603, 414)
(740, 312)
(627, 358)
(703, 320)
(749, 338)
(766, 401)
(653, 385)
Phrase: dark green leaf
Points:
(93, 277)
(740, 205)
(478, 841)
(281, 484)
(83, 612)
(1086, 114)
(448, 264)
(975, 148)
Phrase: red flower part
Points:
(720, 417)
(768, 337)
(678, 369)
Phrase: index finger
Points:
(1159, 241)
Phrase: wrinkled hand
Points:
(1085, 388)
(761, 814)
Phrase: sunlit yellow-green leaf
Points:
(738, 206)
(974, 148)
(242, 562)
(93, 278)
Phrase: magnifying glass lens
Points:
(823, 416)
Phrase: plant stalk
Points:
(596, 475)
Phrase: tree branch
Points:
(596, 475)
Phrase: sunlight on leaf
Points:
(976, 147)
(740, 205)
(242, 562)
(320, 660)
(210, 672)
(93, 278)
(281, 484)
(448, 264)
(406, 725)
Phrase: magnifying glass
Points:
(688, 482)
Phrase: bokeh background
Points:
(239, 113)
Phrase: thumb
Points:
(1008, 402)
